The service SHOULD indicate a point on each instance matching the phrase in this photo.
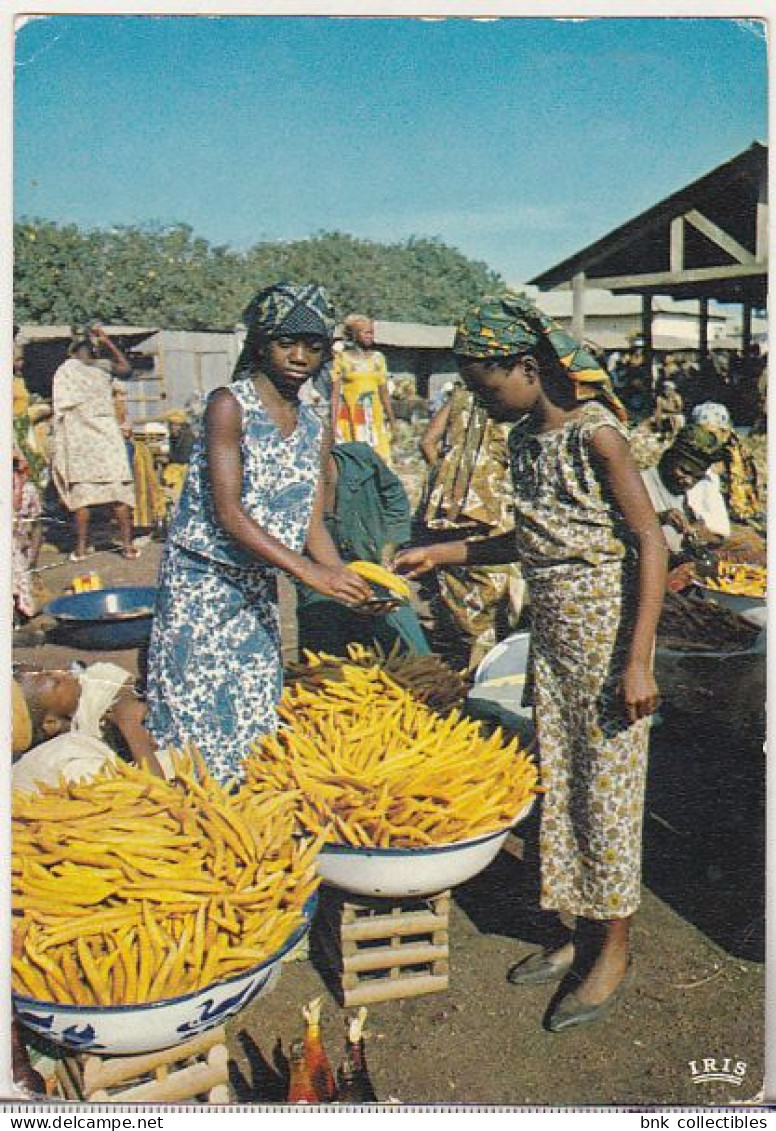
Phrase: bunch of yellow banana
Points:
(364, 756)
(131, 889)
(428, 677)
(371, 571)
(738, 579)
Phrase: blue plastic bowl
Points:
(105, 618)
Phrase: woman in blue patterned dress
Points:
(251, 505)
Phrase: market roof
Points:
(414, 335)
(604, 339)
(32, 333)
(708, 240)
(604, 304)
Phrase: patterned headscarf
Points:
(714, 417)
(510, 325)
(696, 447)
(284, 308)
(741, 479)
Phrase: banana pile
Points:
(428, 677)
(130, 889)
(737, 579)
(363, 757)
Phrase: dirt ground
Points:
(697, 989)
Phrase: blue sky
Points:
(518, 141)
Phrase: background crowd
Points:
(78, 453)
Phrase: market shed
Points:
(182, 367)
(45, 348)
(708, 241)
(419, 350)
(170, 368)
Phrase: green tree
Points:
(168, 276)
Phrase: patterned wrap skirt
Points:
(214, 659)
(593, 762)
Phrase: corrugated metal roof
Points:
(50, 333)
(414, 335)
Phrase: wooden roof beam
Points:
(660, 279)
(719, 236)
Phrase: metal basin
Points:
(105, 618)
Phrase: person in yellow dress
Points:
(360, 404)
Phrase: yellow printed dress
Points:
(465, 497)
(581, 567)
(361, 374)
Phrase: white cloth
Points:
(77, 756)
(712, 415)
(81, 753)
(89, 456)
(704, 502)
(100, 687)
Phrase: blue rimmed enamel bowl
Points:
(109, 619)
(128, 1029)
(411, 871)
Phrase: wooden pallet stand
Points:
(194, 1072)
(386, 948)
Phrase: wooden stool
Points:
(386, 948)
(197, 1071)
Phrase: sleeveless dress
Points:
(579, 561)
(361, 418)
(214, 661)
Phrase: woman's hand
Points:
(420, 559)
(639, 692)
(338, 582)
(676, 519)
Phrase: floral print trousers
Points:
(593, 762)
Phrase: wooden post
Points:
(578, 317)
(646, 332)
(677, 245)
(423, 368)
(703, 327)
(761, 229)
(746, 328)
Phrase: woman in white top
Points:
(686, 493)
(90, 462)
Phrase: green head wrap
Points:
(696, 448)
(509, 325)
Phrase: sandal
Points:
(76, 557)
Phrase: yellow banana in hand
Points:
(371, 571)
